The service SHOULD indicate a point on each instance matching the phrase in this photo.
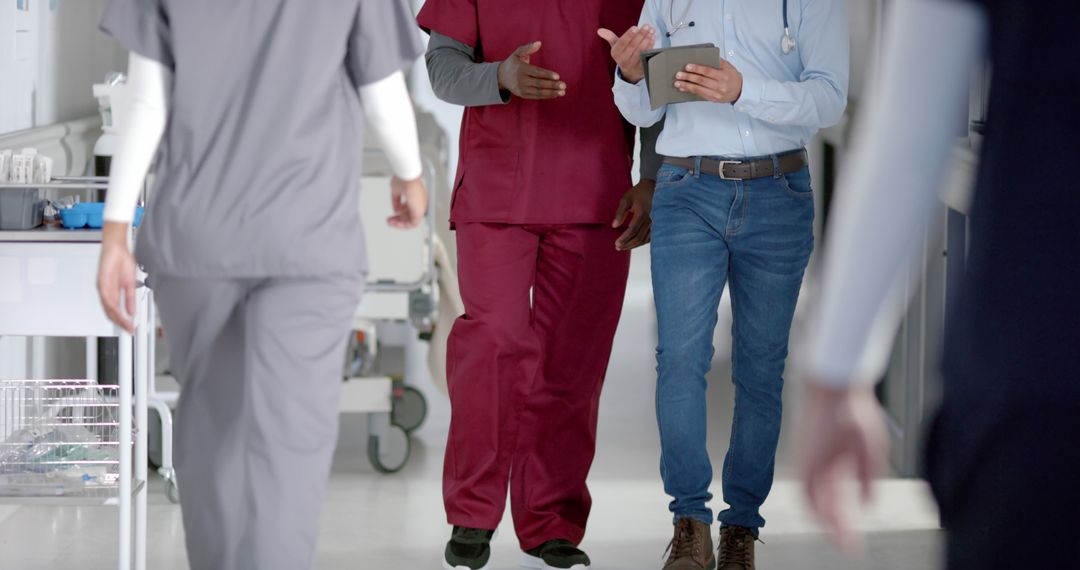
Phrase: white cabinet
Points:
(50, 54)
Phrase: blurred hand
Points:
(637, 203)
(409, 199)
(527, 81)
(626, 50)
(842, 434)
(116, 275)
(721, 84)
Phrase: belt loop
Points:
(697, 166)
(776, 166)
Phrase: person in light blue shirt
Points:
(733, 204)
(777, 101)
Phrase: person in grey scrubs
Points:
(253, 244)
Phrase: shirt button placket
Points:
(729, 29)
(749, 148)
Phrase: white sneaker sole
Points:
(537, 563)
(446, 566)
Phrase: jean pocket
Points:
(672, 176)
(797, 183)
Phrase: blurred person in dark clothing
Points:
(1002, 457)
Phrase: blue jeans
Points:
(756, 235)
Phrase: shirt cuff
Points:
(620, 80)
(630, 93)
(753, 95)
(493, 95)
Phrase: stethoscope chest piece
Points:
(787, 43)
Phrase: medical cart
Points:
(73, 441)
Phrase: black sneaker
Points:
(555, 555)
(468, 549)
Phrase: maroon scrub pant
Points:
(525, 374)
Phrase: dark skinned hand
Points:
(637, 203)
(528, 81)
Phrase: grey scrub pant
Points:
(260, 365)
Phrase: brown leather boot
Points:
(736, 548)
(691, 547)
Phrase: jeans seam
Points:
(729, 461)
(734, 426)
(738, 206)
(729, 464)
(743, 210)
(660, 424)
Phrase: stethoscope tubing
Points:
(787, 43)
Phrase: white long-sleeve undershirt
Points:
(887, 195)
(148, 88)
(388, 114)
(389, 117)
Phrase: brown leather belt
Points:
(787, 163)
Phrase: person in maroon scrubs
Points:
(545, 168)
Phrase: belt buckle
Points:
(724, 163)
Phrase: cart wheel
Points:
(389, 453)
(172, 492)
(410, 409)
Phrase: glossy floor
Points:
(396, 522)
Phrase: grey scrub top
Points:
(259, 166)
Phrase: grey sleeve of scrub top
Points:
(457, 78)
(141, 26)
(650, 161)
(384, 40)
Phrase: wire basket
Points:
(59, 438)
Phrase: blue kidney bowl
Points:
(90, 214)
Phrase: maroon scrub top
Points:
(560, 161)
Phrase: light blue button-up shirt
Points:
(785, 98)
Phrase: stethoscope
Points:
(787, 42)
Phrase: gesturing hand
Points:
(527, 81)
(410, 201)
(636, 202)
(721, 84)
(626, 50)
